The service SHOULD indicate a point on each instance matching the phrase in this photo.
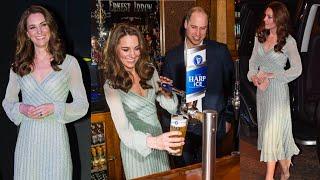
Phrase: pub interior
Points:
(161, 23)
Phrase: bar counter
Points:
(227, 168)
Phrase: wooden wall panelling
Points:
(172, 14)
(221, 21)
(230, 17)
(114, 157)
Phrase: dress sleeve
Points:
(170, 104)
(253, 65)
(11, 102)
(295, 63)
(68, 112)
(133, 139)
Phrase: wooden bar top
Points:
(227, 168)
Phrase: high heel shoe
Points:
(286, 173)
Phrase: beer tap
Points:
(208, 118)
(191, 110)
(186, 109)
(236, 92)
(236, 104)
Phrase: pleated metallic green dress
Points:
(42, 151)
(135, 117)
(275, 139)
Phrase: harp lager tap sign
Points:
(196, 73)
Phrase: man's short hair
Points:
(195, 9)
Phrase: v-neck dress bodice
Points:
(42, 149)
(135, 117)
(275, 139)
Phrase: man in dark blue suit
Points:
(219, 81)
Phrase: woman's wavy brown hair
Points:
(24, 54)
(115, 73)
(281, 17)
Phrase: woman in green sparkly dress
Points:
(131, 90)
(44, 75)
(272, 48)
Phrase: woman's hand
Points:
(255, 80)
(264, 85)
(167, 81)
(264, 75)
(27, 110)
(43, 110)
(263, 80)
(166, 141)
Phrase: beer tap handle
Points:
(179, 92)
(169, 88)
(192, 112)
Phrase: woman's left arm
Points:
(295, 64)
(168, 103)
(68, 112)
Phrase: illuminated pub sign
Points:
(143, 14)
(131, 6)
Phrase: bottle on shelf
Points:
(94, 137)
(95, 162)
(100, 133)
(101, 156)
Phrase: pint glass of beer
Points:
(179, 123)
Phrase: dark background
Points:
(73, 17)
